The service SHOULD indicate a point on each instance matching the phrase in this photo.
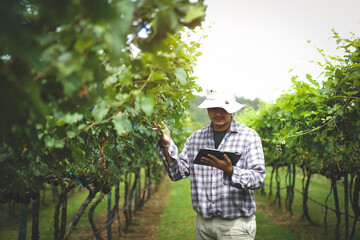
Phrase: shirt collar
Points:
(233, 127)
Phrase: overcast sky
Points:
(253, 44)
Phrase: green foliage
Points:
(81, 88)
(316, 125)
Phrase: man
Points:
(222, 194)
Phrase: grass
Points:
(319, 190)
(9, 225)
(178, 220)
(269, 230)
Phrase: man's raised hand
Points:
(164, 133)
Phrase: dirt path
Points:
(144, 224)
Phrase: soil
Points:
(144, 225)
(147, 220)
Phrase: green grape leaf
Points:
(158, 76)
(53, 142)
(194, 13)
(69, 118)
(122, 124)
(309, 77)
(181, 74)
(110, 80)
(71, 84)
(77, 153)
(145, 103)
(100, 111)
(73, 118)
(125, 79)
(70, 134)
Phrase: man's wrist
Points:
(165, 145)
(229, 171)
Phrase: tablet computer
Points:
(234, 157)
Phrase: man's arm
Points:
(177, 168)
(251, 177)
(165, 140)
(167, 155)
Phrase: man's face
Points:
(220, 118)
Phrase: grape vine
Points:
(316, 126)
(82, 83)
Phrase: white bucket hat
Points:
(223, 100)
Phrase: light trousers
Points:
(222, 229)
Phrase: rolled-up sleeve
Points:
(253, 174)
(179, 167)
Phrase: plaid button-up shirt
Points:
(213, 192)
